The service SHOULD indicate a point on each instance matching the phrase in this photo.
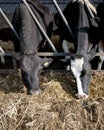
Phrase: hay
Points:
(55, 109)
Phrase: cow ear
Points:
(46, 62)
(92, 53)
(95, 21)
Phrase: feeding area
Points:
(56, 107)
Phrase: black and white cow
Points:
(31, 40)
(78, 19)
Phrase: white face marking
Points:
(77, 67)
(79, 86)
(65, 48)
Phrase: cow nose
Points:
(34, 92)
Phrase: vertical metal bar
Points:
(39, 26)
(63, 17)
(2, 52)
(89, 10)
(9, 23)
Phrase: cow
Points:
(79, 21)
(31, 41)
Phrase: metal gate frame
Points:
(55, 53)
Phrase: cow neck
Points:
(83, 26)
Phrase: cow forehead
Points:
(78, 62)
(77, 66)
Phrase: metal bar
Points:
(53, 54)
(2, 52)
(11, 71)
(9, 23)
(99, 54)
(40, 54)
(61, 54)
(89, 10)
(7, 71)
(63, 18)
(9, 2)
(48, 54)
(39, 25)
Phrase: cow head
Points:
(80, 68)
(31, 65)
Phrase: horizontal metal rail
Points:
(47, 54)
(9, 3)
(42, 54)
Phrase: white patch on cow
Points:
(77, 67)
(89, 47)
(68, 67)
(66, 50)
(67, 47)
(101, 50)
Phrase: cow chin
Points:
(30, 68)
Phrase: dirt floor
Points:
(56, 108)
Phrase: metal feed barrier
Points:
(54, 53)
